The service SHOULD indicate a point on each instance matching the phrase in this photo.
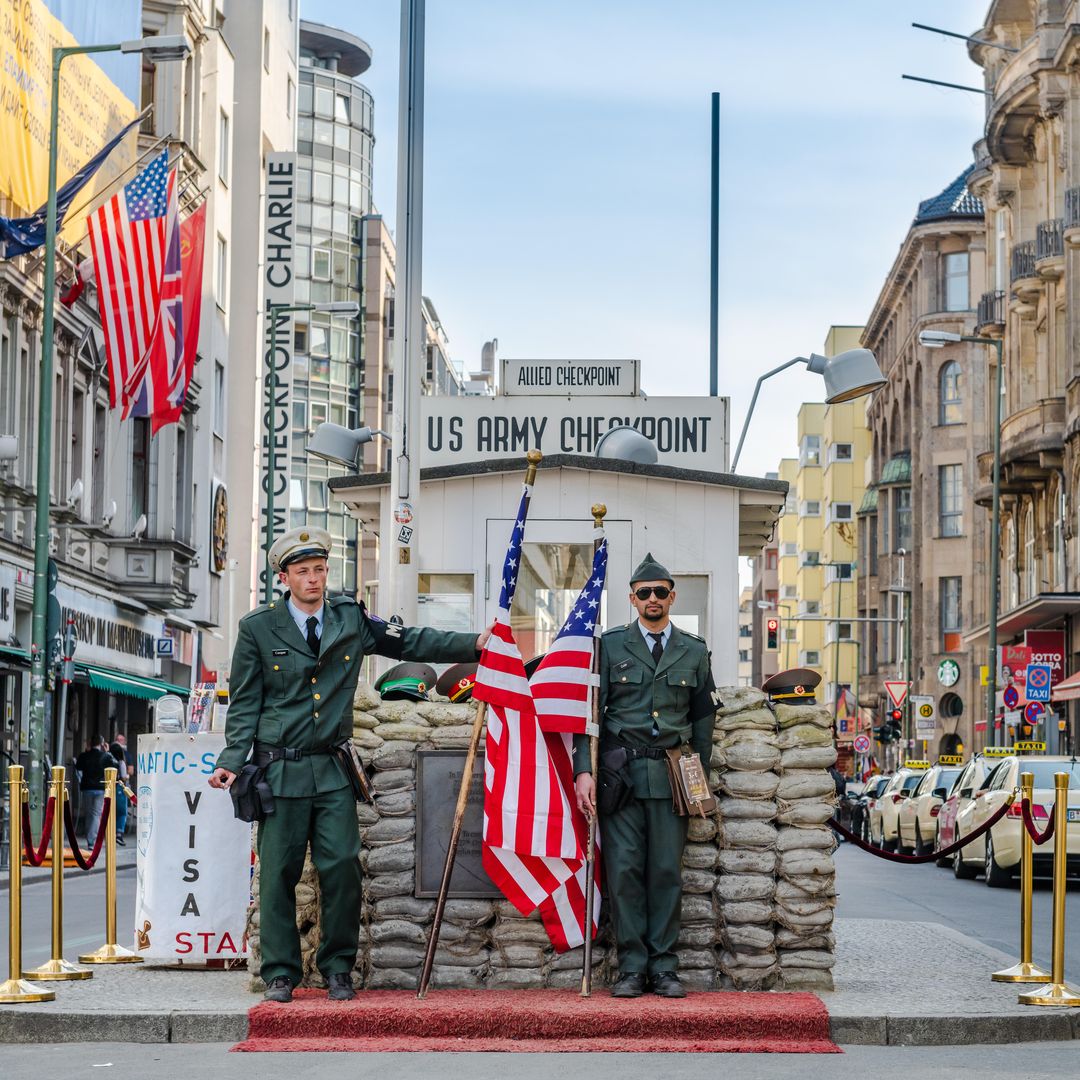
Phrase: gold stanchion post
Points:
(16, 989)
(110, 952)
(57, 968)
(1025, 971)
(1057, 991)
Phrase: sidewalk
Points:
(126, 858)
(938, 992)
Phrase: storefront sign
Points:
(1047, 647)
(7, 602)
(689, 432)
(194, 858)
(219, 528)
(107, 634)
(569, 378)
(278, 291)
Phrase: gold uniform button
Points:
(683, 682)
(318, 697)
(655, 715)
(347, 658)
(316, 716)
(276, 667)
(312, 682)
(623, 679)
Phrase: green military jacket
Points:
(636, 693)
(281, 694)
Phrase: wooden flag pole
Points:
(598, 512)
(533, 457)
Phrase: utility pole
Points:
(714, 255)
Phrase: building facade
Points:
(746, 637)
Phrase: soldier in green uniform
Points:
(294, 672)
(655, 692)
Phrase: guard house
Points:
(696, 522)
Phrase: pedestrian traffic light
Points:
(772, 628)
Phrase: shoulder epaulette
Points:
(262, 609)
(340, 601)
(615, 630)
(696, 637)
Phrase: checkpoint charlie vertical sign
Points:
(194, 859)
(279, 230)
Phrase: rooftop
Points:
(954, 201)
(352, 55)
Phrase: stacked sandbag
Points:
(806, 886)
(748, 759)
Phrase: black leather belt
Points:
(263, 755)
(657, 753)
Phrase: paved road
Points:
(110, 1061)
(870, 887)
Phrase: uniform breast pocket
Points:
(680, 684)
(625, 675)
(278, 673)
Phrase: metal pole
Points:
(714, 255)
(408, 330)
(995, 548)
(271, 455)
(836, 653)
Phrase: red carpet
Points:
(543, 1020)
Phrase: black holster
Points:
(614, 788)
(251, 795)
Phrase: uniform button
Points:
(316, 716)
(276, 667)
(655, 715)
(624, 678)
(312, 682)
(683, 682)
(318, 697)
(347, 658)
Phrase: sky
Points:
(567, 174)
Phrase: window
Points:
(950, 594)
(951, 400)
(810, 450)
(221, 271)
(140, 470)
(840, 511)
(903, 519)
(791, 502)
(790, 633)
(839, 571)
(839, 631)
(1001, 252)
(790, 592)
(770, 559)
(1030, 576)
(810, 658)
(266, 48)
(1059, 541)
(223, 147)
(788, 547)
(810, 508)
(956, 281)
(219, 398)
(950, 496)
(810, 607)
(840, 451)
(811, 558)
(1008, 545)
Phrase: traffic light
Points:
(893, 726)
(772, 632)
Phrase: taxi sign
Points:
(1030, 747)
(916, 765)
(950, 759)
(998, 751)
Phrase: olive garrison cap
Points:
(457, 682)
(794, 685)
(406, 682)
(305, 542)
(650, 570)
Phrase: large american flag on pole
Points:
(530, 844)
(563, 686)
(128, 243)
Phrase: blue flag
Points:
(20, 235)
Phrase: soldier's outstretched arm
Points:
(417, 643)
(245, 701)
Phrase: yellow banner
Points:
(92, 109)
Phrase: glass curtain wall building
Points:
(334, 150)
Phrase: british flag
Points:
(531, 846)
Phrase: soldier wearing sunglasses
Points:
(655, 693)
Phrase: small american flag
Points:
(127, 242)
(530, 844)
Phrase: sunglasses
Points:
(661, 592)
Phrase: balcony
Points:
(1071, 221)
(1025, 281)
(1050, 249)
(990, 318)
(1032, 450)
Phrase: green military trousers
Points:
(642, 846)
(328, 823)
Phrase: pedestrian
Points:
(655, 694)
(294, 671)
(122, 801)
(91, 765)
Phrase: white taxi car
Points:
(917, 819)
(885, 812)
(998, 853)
(960, 799)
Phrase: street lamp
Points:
(341, 445)
(847, 375)
(938, 339)
(155, 49)
(349, 308)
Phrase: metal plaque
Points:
(438, 780)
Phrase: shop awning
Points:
(20, 656)
(1042, 611)
(1067, 690)
(117, 682)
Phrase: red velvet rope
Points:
(35, 856)
(1029, 823)
(76, 851)
(894, 857)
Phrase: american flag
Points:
(563, 687)
(530, 844)
(127, 242)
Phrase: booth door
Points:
(556, 560)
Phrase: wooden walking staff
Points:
(598, 512)
(534, 458)
(15, 988)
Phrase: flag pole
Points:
(598, 512)
(533, 457)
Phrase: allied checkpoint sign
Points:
(194, 859)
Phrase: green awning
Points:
(897, 469)
(8, 653)
(869, 501)
(117, 682)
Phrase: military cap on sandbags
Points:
(457, 682)
(794, 685)
(406, 682)
(650, 570)
(305, 542)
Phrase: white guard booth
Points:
(194, 858)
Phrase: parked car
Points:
(860, 814)
(959, 800)
(917, 820)
(884, 815)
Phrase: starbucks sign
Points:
(948, 673)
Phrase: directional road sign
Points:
(1038, 682)
(897, 691)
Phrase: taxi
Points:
(917, 819)
(959, 800)
(884, 814)
(998, 852)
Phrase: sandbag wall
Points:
(758, 885)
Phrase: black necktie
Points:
(658, 646)
(313, 634)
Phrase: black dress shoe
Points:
(340, 986)
(280, 989)
(629, 985)
(666, 984)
